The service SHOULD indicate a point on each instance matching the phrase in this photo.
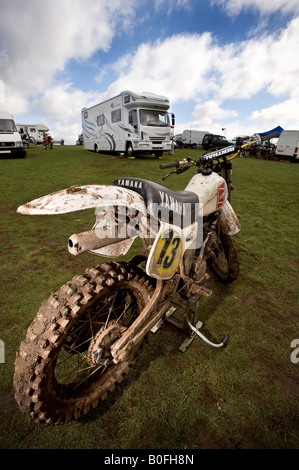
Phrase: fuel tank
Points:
(211, 191)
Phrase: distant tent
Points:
(271, 134)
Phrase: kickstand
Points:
(191, 324)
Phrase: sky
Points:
(227, 66)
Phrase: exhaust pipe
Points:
(87, 241)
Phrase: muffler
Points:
(87, 241)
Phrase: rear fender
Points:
(78, 198)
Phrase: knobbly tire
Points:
(226, 263)
(64, 367)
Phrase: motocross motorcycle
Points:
(87, 335)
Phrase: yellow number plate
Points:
(167, 254)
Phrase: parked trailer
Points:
(288, 145)
(193, 138)
(130, 123)
(11, 144)
(34, 132)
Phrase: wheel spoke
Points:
(78, 341)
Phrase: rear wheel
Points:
(64, 366)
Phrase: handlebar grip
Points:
(175, 164)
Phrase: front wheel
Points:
(158, 154)
(64, 366)
(129, 150)
(225, 260)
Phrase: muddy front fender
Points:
(228, 220)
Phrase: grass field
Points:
(244, 396)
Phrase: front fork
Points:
(226, 173)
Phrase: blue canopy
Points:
(270, 134)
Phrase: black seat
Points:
(172, 201)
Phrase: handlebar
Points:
(175, 164)
(213, 158)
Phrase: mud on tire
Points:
(55, 379)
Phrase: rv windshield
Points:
(150, 117)
(7, 125)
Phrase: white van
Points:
(130, 123)
(193, 138)
(288, 146)
(35, 132)
(11, 144)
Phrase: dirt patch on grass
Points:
(203, 440)
(287, 384)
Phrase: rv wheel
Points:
(159, 154)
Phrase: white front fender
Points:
(78, 198)
(228, 220)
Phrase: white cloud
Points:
(176, 67)
(61, 106)
(211, 110)
(39, 40)
(186, 67)
(234, 7)
(266, 63)
(70, 101)
(285, 112)
(195, 67)
(170, 5)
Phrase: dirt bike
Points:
(27, 139)
(86, 336)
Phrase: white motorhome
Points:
(11, 144)
(193, 138)
(35, 132)
(130, 123)
(288, 145)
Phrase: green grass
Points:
(245, 396)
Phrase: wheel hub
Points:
(99, 349)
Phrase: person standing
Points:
(45, 139)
